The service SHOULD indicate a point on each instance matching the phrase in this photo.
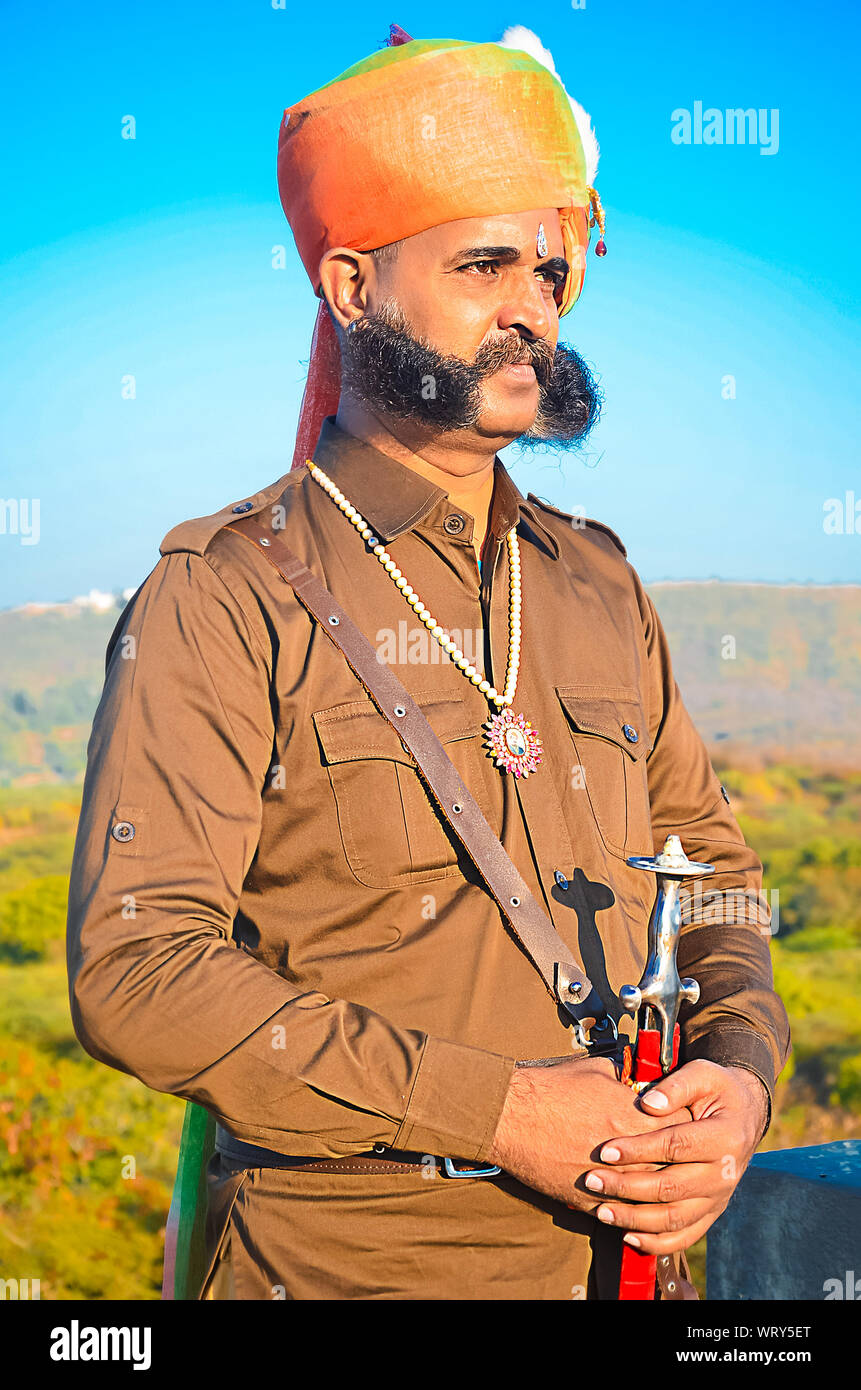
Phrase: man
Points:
(269, 915)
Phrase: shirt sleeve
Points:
(171, 812)
(724, 941)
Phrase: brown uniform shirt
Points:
(291, 936)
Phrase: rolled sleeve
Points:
(456, 1101)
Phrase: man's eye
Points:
(554, 277)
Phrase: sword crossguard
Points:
(661, 992)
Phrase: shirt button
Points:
(123, 830)
(244, 507)
(454, 524)
(630, 733)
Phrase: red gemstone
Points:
(600, 249)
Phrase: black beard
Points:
(403, 376)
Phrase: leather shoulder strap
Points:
(564, 976)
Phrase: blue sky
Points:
(152, 257)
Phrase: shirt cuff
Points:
(738, 1047)
(456, 1101)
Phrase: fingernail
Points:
(656, 1099)
(594, 1183)
(631, 1240)
(605, 1214)
(609, 1155)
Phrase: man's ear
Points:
(345, 277)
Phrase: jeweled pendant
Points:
(513, 743)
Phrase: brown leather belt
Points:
(672, 1273)
(381, 1160)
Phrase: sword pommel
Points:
(660, 992)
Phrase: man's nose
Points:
(526, 309)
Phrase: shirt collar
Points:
(393, 497)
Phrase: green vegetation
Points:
(50, 683)
(87, 1154)
(803, 824)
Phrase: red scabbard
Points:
(639, 1271)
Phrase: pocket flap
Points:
(614, 714)
(354, 730)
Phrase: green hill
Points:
(788, 683)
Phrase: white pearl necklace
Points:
(502, 741)
(430, 622)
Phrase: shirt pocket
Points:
(392, 830)
(610, 736)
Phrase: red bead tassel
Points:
(597, 219)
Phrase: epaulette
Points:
(196, 533)
(578, 521)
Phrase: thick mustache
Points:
(508, 353)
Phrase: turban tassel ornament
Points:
(597, 218)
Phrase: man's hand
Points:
(670, 1209)
(556, 1118)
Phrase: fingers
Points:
(705, 1141)
(656, 1219)
(674, 1183)
(663, 1230)
(693, 1084)
(670, 1242)
(641, 1124)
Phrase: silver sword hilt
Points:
(661, 991)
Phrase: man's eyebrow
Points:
(502, 253)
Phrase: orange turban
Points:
(427, 131)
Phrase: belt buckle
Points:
(452, 1172)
